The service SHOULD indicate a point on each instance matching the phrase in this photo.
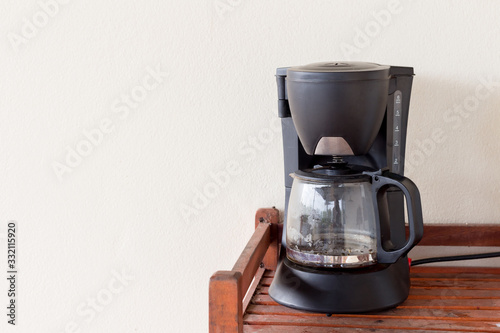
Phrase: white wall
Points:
(119, 207)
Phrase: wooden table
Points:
(442, 299)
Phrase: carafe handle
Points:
(380, 182)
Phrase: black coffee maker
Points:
(344, 242)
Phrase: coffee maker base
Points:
(375, 288)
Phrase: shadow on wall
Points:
(464, 127)
(453, 142)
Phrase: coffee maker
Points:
(344, 246)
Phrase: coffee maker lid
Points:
(338, 71)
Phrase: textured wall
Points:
(138, 138)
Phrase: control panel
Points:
(396, 137)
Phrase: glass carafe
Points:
(334, 221)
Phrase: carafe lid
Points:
(329, 174)
(338, 71)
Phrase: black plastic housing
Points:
(343, 102)
(374, 288)
(377, 136)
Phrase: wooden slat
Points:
(302, 329)
(454, 293)
(270, 215)
(339, 321)
(453, 303)
(265, 281)
(454, 271)
(269, 273)
(455, 284)
(252, 255)
(456, 276)
(401, 313)
(437, 303)
(461, 235)
(431, 293)
(263, 300)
